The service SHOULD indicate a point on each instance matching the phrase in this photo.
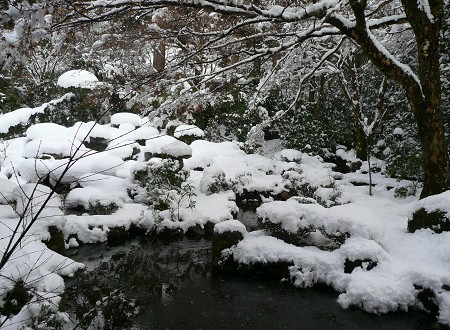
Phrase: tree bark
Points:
(159, 56)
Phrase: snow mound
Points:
(57, 145)
(23, 115)
(293, 216)
(44, 129)
(7, 193)
(125, 118)
(177, 149)
(155, 145)
(78, 78)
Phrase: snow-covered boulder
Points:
(44, 129)
(166, 146)
(226, 234)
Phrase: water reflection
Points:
(169, 286)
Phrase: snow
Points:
(230, 226)
(293, 216)
(440, 203)
(291, 155)
(191, 130)
(398, 131)
(376, 224)
(177, 149)
(125, 117)
(60, 145)
(23, 115)
(78, 78)
(156, 143)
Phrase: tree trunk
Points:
(159, 56)
(423, 91)
(426, 100)
(361, 140)
(432, 140)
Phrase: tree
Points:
(361, 21)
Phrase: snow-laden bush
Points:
(166, 186)
(213, 180)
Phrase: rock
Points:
(226, 234)
(428, 299)
(188, 133)
(96, 143)
(104, 205)
(56, 242)
(117, 236)
(291, 155)
(248, 199)
(366, 264)
(285, 195)
(170, 234)
(176, 150)
(195, 232)
(213, 180)
(209, 230)
(355, 165)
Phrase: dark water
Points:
(158, 285)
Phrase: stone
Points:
(367, 264)
(117, 236)
(222, 241)
(56, 242)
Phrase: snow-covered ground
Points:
(401, 263)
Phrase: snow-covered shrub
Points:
(294, 180)
(432, 212)
(15, 299)
(165, 186)
(11, 97)
(291, 155)
(188, 133)
(327, 196)
(104, 205)
(229, 116)
(405, 191)
(213, 180)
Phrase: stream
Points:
(168, 285)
